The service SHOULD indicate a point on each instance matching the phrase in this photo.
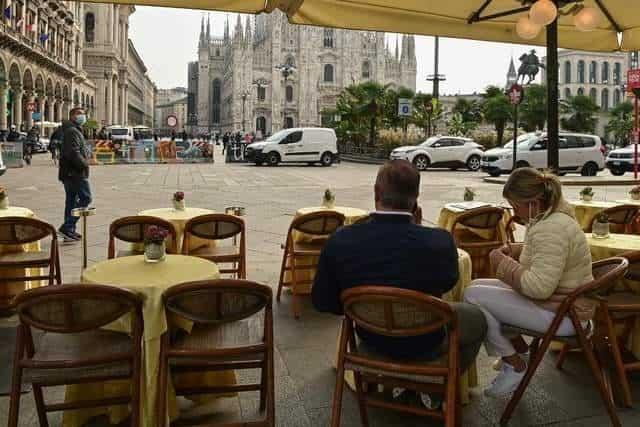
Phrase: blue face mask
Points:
(81, 119)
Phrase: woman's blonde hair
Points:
(526, 184)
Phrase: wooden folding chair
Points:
(132, 229)
(316, 227)
(621, 218)
(217, 228)
(73, 348)
(605, 273)
(18, 231)
(221, 339)
(396, 312)
(478, 232)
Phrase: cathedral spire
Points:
(247, 30)
(405, 48)
(397, 52)
(208, 29)
(201, 30)
(237, 33)
(226, 28)
(512, 76)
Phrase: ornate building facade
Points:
(235, 83)
(141, 95)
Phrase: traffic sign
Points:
(36, 116)
(404, 107)
(172, 120)
(633, 81)
(516, 94)
(31, 107)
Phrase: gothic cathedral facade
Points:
(237, 83)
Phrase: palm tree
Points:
(581, 110)
(497, 110)
(621, 123)
(370, 105)
(421, 103)
(533, 110)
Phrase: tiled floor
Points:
(304, 349)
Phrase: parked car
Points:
(620, 160)
(121, 134)
(306, 145)
(442, 151)
(580, 153)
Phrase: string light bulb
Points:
(543, 12)
(527, 29)
(587, 19)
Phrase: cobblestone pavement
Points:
(304, 348)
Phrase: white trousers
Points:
(501, 304)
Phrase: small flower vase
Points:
(4, 203)
(329, 203)
(586, 197)
(600, 230)
(468, 196)
(179, 205)
(635, 196)
(154, 252)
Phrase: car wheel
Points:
(494, 174)
(590, 169)
(617, 172)
(326, 159)
(258, 163)
(421, 162)
(473, 163)
(273, 159)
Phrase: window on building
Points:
(328, 73)
(567, 72)
(76, 97)
(567, 93)
(605, 73)
(261, 124)
(593, 94)
(218, 52)
(290, 62)
(581, 71)
(617, 72)
(593, 69)
(604, 102)
(328, 37)
(289, 124)
(89, 27)
(289, 93)
(366, 70)
(616, 97)
(262, 93)
(217, 90)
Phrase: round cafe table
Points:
(179, 219)
(149, 280)
(615, 245)
(587, 211)
(351, 215)
(10, 289)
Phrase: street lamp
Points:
(244, 95)
(286, 70)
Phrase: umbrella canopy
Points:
(453, 18)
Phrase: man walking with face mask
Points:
(74, 172)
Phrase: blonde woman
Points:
(532, 279)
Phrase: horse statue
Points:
(529, 67)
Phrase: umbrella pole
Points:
(553, 128)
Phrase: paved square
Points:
(304, 377)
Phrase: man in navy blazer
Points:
(396, 250)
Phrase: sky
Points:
(167, 39)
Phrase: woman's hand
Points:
(496, 256)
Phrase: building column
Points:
(124, 109)
(115, 103)
(41, 99)
(23, 29)
(17, 105)
(52, 106)
(58, 117)
(3, 106)
(29, 119)
(107, 113)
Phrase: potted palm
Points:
(4, 199)
(154, 244)
(601, 226)
(328, 199)
(178, 201)
(635, 193)
(469, 194)
(586, 194)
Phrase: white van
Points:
(3, 168)
(304, 145)
(578, 152)
(123, 134)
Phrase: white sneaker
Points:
(497, 364)
(506, 382)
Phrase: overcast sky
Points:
(167, 39)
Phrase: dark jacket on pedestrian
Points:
(74, 155)
(389, 250)
(13, 136)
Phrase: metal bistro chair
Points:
(619, 307)
(483, 220)
(317, 226)
(226, 336)
(621, 218)
(395, 312)
(605, 273)
(21, 231)
(217, 227)
(73, 348)
(132, 229)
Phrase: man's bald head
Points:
(397, 186)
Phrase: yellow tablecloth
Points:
(470, 378)
(587, 211)
(179, 220)
(614, 245)
(351, 215)
(448, 216)
(149, 281)
(16, 288)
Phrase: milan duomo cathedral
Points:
(237, 82)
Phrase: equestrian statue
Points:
(529, 67)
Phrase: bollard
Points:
(83, 213)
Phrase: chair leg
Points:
(618, 362)
(283, 269)
(362, 404)
(596, 369)
(337, 395)
(16, 381)
(271, 387)
(263, 386)
(295, 300)
(562, 356)
(163, 373)
(40, 407)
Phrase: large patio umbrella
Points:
(613, 25)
